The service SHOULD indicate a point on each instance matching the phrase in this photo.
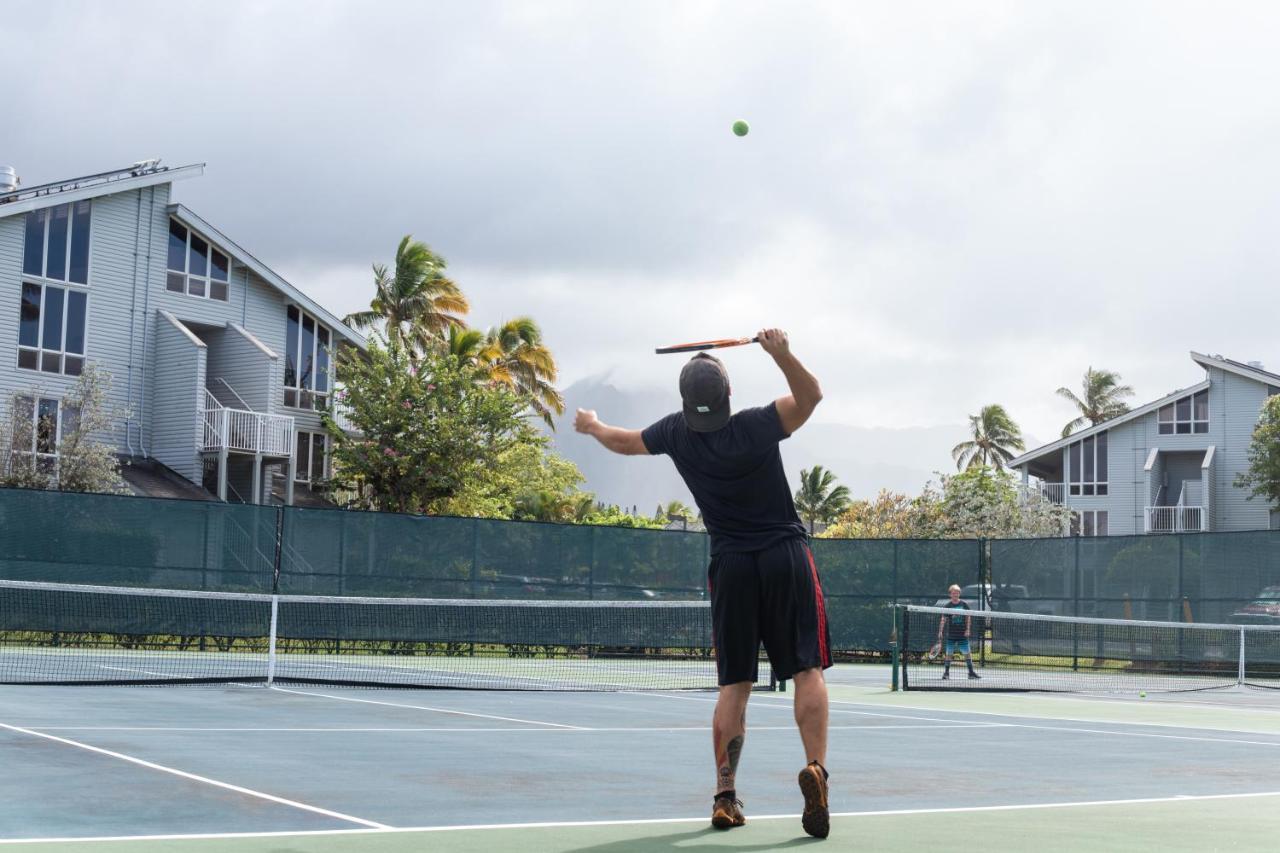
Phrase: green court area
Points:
(248, 768)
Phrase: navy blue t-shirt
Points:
(735, 475)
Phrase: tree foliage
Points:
(423, 429)
(1102, 398)
(524, 469)
(416, 302)
(995, 437)
(1263, 475)
(819, 498)
(515, 355)
(84, 463)
(980, 502)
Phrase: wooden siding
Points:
(1240, 402)
(178, 398)
(244, 365)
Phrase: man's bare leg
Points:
(728, 729)
(811, 719)
(811, 713)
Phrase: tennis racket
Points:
(935, 651)
(696, 346)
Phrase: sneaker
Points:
(727, 813)
(816, 819)
(974, 675)
(945, 675)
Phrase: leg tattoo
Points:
(727, 758)
(728, 764)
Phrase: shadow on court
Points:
(695, 841)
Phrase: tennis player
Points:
(957, 626)
(763, 581)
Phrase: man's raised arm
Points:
(795, 408)
(625, 441)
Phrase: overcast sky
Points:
(946, 204)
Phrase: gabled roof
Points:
(1106, 425)
(145, 173)
(187, 217)
(1257, 374)
(1206, 361)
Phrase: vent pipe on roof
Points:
(8, 179)
(1256, 365)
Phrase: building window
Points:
(1088, 462)
(39, 424)
(306, 361)
(311, 457)
(51, 324)
(57, 243)
(1185, 416)
(1089, 522)
(196, 267)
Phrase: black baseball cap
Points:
(704, 388)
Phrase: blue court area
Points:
(251, 768)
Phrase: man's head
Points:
(954, 592)
(704, 389)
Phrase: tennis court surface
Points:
(327, 768)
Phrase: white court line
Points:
(424, 708)
(195, 778)
(143, 671)
(1206, 728)
(1143, 734)
(1011, 725)
(762, 703)
(456, 730)
(400, 830)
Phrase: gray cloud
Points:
(947, 205)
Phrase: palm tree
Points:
(817, 500)
(995, 437)
(513, 355)
(417, 303)
(1102, 399)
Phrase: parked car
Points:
(1263, 610)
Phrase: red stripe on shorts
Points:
(823, 651)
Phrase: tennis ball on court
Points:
(740, 128)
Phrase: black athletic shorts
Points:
(771, 596)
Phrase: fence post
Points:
(1075, 611)
(275, 572)
(591, 564)
(475, 557)
(893, 582)
(984, 599)
(1182, 597)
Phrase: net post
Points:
(893, 648)
(905, 644)
(1240, 664)
(271, 640)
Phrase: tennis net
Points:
(53, 633)
(1022, 651)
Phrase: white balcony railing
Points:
(1174, 519)
(1052, 492)
(245, 431)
